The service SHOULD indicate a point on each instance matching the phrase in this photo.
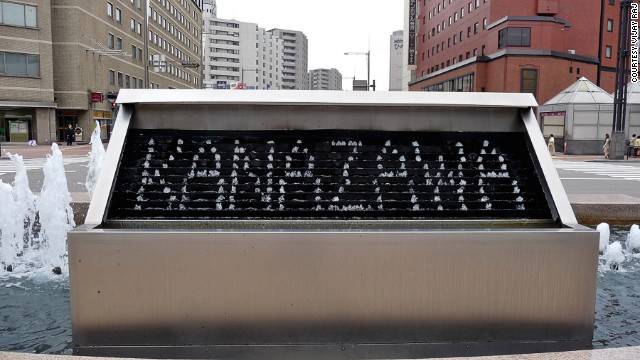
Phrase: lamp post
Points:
(622, 79)
(368, 55)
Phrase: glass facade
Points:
(16, 64)
(463, 83)
(15, 14)
(512, 36)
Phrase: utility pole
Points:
(368, 55)
(622, 79)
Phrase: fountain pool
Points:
(34, 309)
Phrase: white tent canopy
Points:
(583, 91)
(633, 93)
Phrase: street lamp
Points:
(368, 55)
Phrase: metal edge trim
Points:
(549, 171)
(100, 198)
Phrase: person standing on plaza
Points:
(69, 134)
(607, 146)
(636, 146)
(552, 145)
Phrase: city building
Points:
(536, 46)
(69, 58)
(240, 55)
(325, 79)
(103, 46)
(295, 59)
(209, 9)
(409, 43)
(396, 67)
(27, 106)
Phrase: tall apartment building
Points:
(396, 68)
(209, 9)
(240, 55)
(27, 103)
(79, 53)
(536, 46)
(295, 59)
(325, 79)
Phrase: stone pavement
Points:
(628, 353)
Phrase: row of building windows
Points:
(177, 14)
(14, 14)
(462, 83)
(124, 81)
(17, 64)
(456, 39)
(453, 18)
(167, 46)
(173, 30)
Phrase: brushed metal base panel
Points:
(335, 351)
(181, 288)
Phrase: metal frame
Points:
(322, 289)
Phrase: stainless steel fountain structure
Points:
(282, 270)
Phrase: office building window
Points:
(14, 14)
(120, 79)
(132, 24)
(529, 81)
(119, 15)
(118, 43)
(16, 64)
(110, 41)
(607, 52)
(109, 9)
(514, 37)
(112, 77)
(610, 25)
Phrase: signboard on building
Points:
(412, 31)
(96, 97)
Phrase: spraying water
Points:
(25, 201)
(605, 233)
(10, 228)
(633, 239)
(56, 215)
(614, 256)
(96, 159)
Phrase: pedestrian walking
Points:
(69, 134)
(636, 146)
(552, 145)
(629, 143)
(607, 146)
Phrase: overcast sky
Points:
(333, 27)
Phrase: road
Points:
(589, 178)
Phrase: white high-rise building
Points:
(237, 54)
(325, 79)
(396, 67)
(295, 59)
(209, 8)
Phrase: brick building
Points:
(537, 46)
